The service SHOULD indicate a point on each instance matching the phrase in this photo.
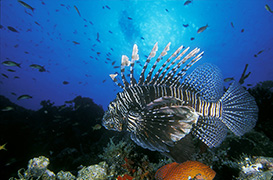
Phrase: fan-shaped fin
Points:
(206, 81)
(240, 111)
(210, 130)
(158, 128)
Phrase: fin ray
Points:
(240, 111)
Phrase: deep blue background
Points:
(49, 42)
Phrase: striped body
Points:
(165, 108)
(140, 96)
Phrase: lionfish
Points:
(165, 107)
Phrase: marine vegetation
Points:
(165, 109)
(125, 162)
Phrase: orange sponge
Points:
(192, 169)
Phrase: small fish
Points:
(16, 45)
(192, 38)
(268, 8)
(203, 28)
(65, 82)
(26, 5)
(6, 76)
(113, 63)
(8, 108)
(11, 63)
(130, 18)
(37, 66)
(187, 2)
(25, 96)
(28, 13)
(10, 70)
(1, 26)
(166, 10)
(77, 10)
(75, 42)
(242, 30)
(116, 67)
(104, 81)
(260, 51)
(232, 25)
(12, 29)
(96, 127)
(37, 23)
(110, 32)
(185, 25)
(228, 79)
(107, 7)
(2, 147)
(16, 77)
(14, 94)
(98, 37)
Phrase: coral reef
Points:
(256, 168)
(65, 135)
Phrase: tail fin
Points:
(239, 110)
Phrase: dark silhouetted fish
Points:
(228, 79)
(187, 2)
(98, 37)
(65, 82)
(10, 70)
(185, 25)
(75, 42)
(77, 10)
(11, 63)
(25, 96)
(4, 75)
(268, 8)
(12, 29)
(164, 109)
(232, 25)
(37, 66)
(26, 5)
(201, 29)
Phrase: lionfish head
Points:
(112, 120)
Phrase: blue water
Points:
(45, 37)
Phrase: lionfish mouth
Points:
(106, 120)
